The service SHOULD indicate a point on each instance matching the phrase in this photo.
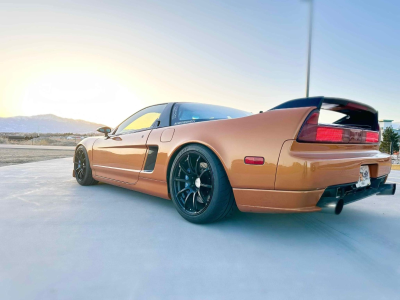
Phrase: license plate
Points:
(364, 179)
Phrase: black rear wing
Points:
(357, 114)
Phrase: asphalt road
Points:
(60, 240)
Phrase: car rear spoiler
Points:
(356, 113)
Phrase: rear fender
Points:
(231, 140)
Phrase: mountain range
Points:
(396, 125)
(46, 124)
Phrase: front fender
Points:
(88, 144)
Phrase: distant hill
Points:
(396, 125)
(46, 124)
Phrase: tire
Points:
(83, 172)
(199, 186)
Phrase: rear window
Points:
(360, 120)
(184, 113)
(329, 117)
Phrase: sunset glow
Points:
(101, 62)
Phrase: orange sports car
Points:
(305, 155)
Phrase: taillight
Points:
(329, 134)
(372, 137)
(312, 132)
(313, 118)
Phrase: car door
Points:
(120, 156)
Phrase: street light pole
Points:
(310, 27)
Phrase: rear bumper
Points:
(309, 166)
(273, 201)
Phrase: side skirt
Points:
(143, 185)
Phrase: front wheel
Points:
(199, 186)
(83, 172)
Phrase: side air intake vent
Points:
(151, 159)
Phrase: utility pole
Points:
(310, 29)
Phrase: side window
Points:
(184, 113)
(143, 119)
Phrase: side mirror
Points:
(106, 130)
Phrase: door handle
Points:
(116, 138)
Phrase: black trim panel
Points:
(165, 117)
(349, 193)
(301, 102)
(318, 101)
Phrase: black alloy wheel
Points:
(199, 186)
(80, 164)
(193, 183)
(83, 172)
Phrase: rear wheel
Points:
(83, 172)
(199, 186)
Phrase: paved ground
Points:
(60, 240)
(17, 154)
(36, 147)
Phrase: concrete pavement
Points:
(60, 240)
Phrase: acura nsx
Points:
(211, 159)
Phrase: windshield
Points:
(183, 113)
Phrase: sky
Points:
(102, 61)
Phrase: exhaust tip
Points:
(387, 189)
(331, 205)
(339, 207)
